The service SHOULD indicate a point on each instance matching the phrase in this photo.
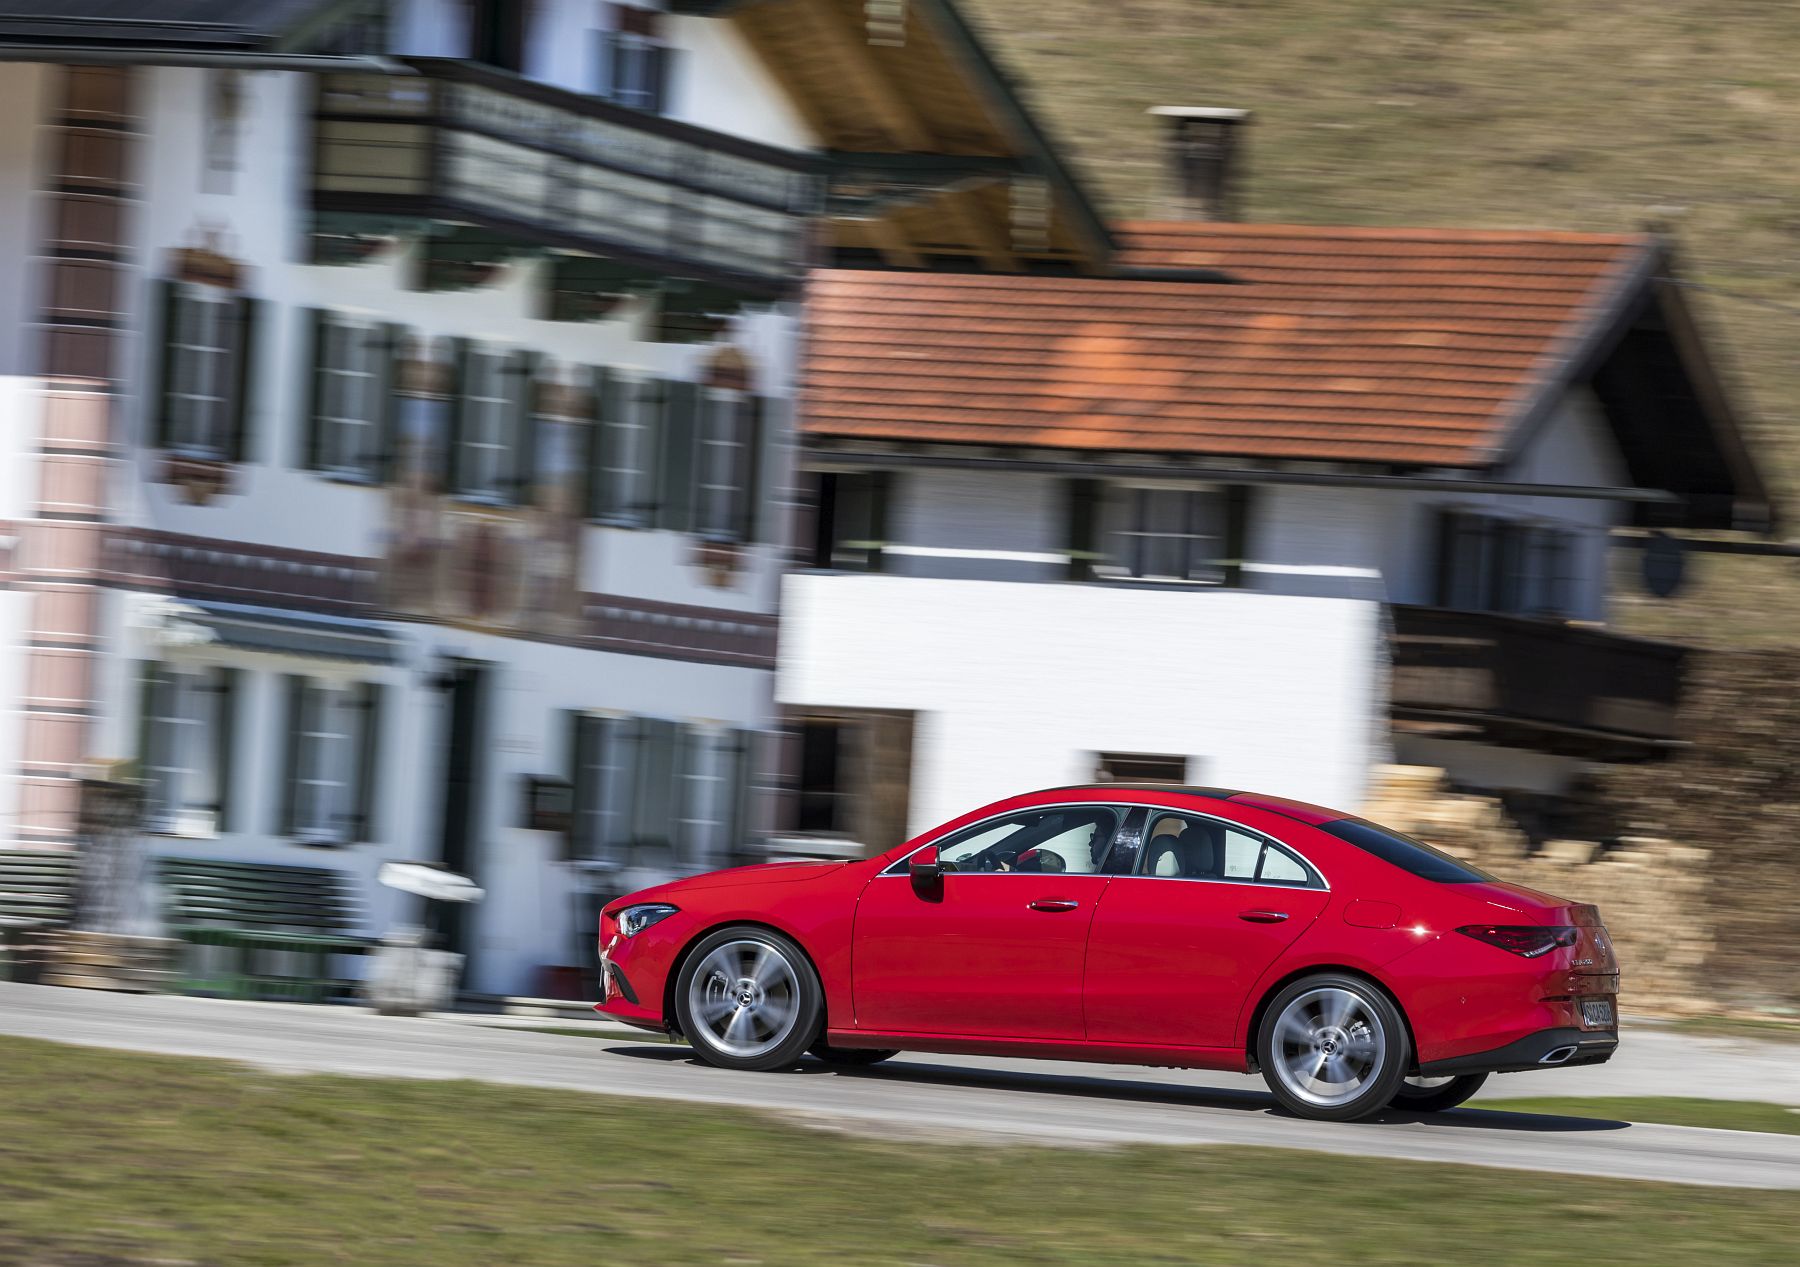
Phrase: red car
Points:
(1353, 966)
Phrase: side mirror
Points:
(927, 870)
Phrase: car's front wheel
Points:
(1434, 1095)
(747, 998)
(1333, 1048)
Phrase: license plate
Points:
(1597, 1013)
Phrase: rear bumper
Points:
(1546, 1049)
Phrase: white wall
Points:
(1018, 685)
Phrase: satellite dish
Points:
(428, 881)
(1665, 563)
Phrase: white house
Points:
(395, 401)
(1267, 508)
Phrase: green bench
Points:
(255, 930)
(37, 894)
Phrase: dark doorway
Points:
(461, 848)
(497, 33)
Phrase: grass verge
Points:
(1671, 1110)
(111, 1158)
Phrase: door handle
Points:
(1053, 904)
(1263, 917)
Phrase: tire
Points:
(1333, 1048)
(747, 998)
(1434, 1095)
(851, 1057)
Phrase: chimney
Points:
(1200, 148)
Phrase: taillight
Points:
(1527, 940)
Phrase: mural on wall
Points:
(501, 564)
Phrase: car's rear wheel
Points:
(851, 1057)
(1434, 1095)
(747, 998)
(1333, 1048)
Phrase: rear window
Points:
(1404, 852)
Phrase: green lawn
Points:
(109, 1158)
(1725, 1115)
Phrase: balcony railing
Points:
(466, 143)
(1535, 683)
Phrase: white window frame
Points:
(202, 387)
(724, 435)
(489, 449)
(181, 761)
(327, 737)
(349, 403)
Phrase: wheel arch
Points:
(672, 1019)
(1317, 969)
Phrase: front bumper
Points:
(1547, 1049)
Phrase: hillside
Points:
(1508, 113)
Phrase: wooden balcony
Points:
(1531, 683)
(530, 167)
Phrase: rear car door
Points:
(1177, 943)
(996, 948)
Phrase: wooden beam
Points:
(891, 240)
(749, 22)
(973, 219)
(863, 74)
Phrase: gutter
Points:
(1242, 475)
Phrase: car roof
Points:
(1300, 811)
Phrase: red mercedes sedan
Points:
(1354, 967)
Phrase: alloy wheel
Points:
(745, 995)
(1329, 1045)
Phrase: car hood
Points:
(761, 873)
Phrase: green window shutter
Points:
(147, 681)
(247, 316)
(1083, 528)
(751, 465)
(740, 792)
(459, 415)
(368, 759)
(522, 370)
(387, 424)
(680, 422)
(165, 316)
(653, 807)
(288, 774)
(224, 745)
(584, 751)
(1240, 504)
(313, 333)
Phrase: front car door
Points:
(996, 948)
(1202, 908)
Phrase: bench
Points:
(256, 930)
(37, 894)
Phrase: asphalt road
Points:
(1019, 1100)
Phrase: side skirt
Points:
(1225, 1059)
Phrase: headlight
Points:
(635, 919)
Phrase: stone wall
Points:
(1654, 894)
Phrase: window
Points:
(631, 61)
(489, 424)
(1412, 856)
(185, 750)
(650, 792)
(1490, 564)
(1140, 767)
(1168, 534)
(1069, 839)
(348, 429)
(624, 485)
(1189, 847)
(201, 401)
(333, 741)
(497, 33)
(852, 520)
(825, 802)
(728, 441)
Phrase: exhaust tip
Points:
(1557, 1055)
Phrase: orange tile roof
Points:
(1410, 346)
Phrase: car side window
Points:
(1188, 847)
(1070, 839)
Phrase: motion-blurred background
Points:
(573, 444)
